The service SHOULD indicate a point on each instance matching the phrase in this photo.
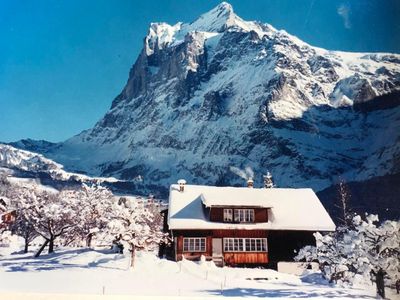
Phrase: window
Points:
(245, 245)
(194, 244)
(244, 215)
(232, 245)
(228, 215)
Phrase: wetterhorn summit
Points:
(222, 92)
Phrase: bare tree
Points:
(346, 215)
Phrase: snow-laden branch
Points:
(353, 253)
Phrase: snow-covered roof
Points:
(233, 196)
(290, 209)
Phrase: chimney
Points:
(250, 183)
(181, 183)
(268, 183)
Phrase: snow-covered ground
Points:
(82, 271)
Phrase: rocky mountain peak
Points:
(216, 20)
(221, 92)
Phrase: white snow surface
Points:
(84, 272)
(290, 209)
(31, 183)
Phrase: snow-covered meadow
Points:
(82, 271)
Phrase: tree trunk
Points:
(380, 283)
(89, 240)
(132, 255)
(26, 245)
(41, 248)
(51, 245)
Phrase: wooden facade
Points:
(231, 258)
(281, 245)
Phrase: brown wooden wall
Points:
(231, 258)
(217, 214)
(261, 215)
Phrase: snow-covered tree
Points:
(351, 254)
(51, 214)
(381, 244)
(134, 223)
(95, 211)
(24, 229)
(75, 215)
(4, 183)
(268, 182)
(6, 190)
(5, 238)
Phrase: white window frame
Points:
(228, 215)
(194, 244)
(245, 245)
(244, 215)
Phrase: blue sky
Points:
(63, 62)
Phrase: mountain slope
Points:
(34, 169)
(222, 92)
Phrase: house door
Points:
(217, 247)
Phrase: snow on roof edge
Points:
(291, 209)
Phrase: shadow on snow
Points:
(58, 260)
(285, 293)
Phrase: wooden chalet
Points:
(243, 225)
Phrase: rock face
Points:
(222, 92)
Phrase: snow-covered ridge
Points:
(339, 75)
(217, 20)
(25, 160)
(13, 158)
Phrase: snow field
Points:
(81, 271)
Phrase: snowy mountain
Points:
(17, 159)
(223, 92)
(31, 168)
